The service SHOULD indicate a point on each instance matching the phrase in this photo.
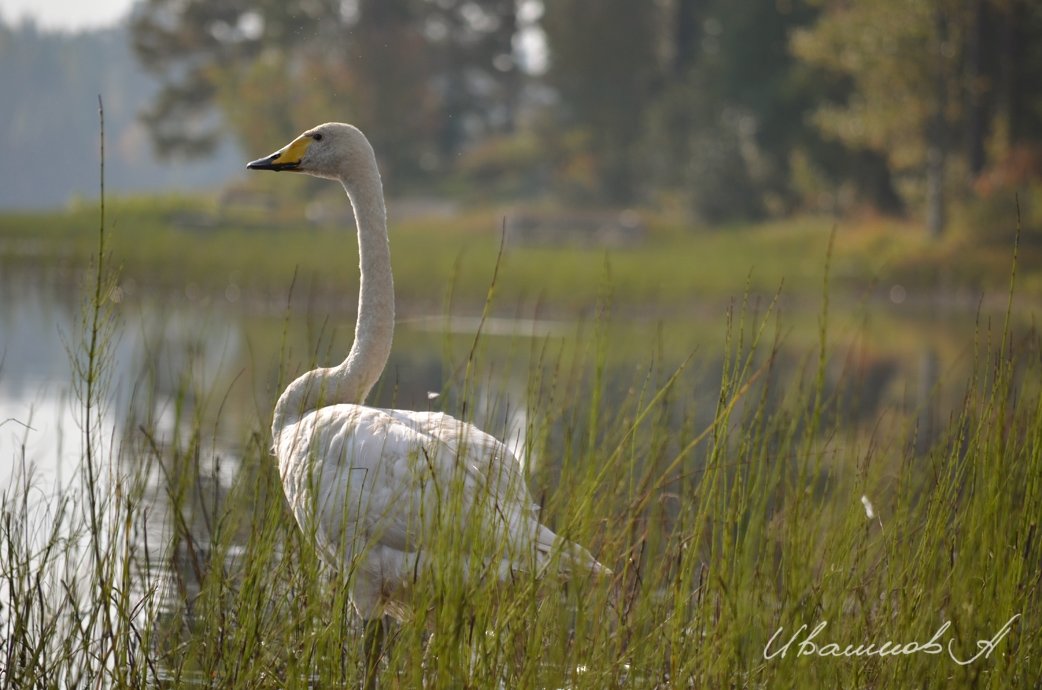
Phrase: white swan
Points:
(376, 489)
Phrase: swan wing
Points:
(360, 478)
(484, 458)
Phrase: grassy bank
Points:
(190, 244)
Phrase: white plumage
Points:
(386, 493)
(387, 482)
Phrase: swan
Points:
(381, 492)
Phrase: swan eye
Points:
(317, 136)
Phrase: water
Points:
(175, 364)
(43, 335)
(36, 410)
(165, 351)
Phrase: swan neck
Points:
(352, 379)
(374, 328)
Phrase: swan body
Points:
(371, 501)
(383, 492)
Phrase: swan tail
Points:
(571, 559)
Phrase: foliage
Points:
(896, 56)
(927, 77)
(729, 110)
(505, 168)
(415, 75)
(603, 65)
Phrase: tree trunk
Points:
(1009, 99)
(685, 37)
(937, 135)
(511, 81)
(976, 128)
(873, 176)
(935, 216)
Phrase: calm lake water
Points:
(162, 351)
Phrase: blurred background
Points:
(717, 110)
(651, 161)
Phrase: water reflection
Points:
(37, 400)
(147, 357)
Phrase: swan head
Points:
(332, 150)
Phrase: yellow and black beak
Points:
(286, 158)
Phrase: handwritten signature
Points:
(807, 646)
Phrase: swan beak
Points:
(286, 158)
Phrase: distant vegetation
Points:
(168, 244)
(49, 121)
(727, 110)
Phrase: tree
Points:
(408, 71)
(197, 49)
(904, 62)
(728, 130)
(475, 72)
(729, 116)
(604, 66)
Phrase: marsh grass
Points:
(727, 513)
(256, 255)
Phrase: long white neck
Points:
(351, 380)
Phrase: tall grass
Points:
(732, 516)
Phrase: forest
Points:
(726, 110)
(720, 111)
